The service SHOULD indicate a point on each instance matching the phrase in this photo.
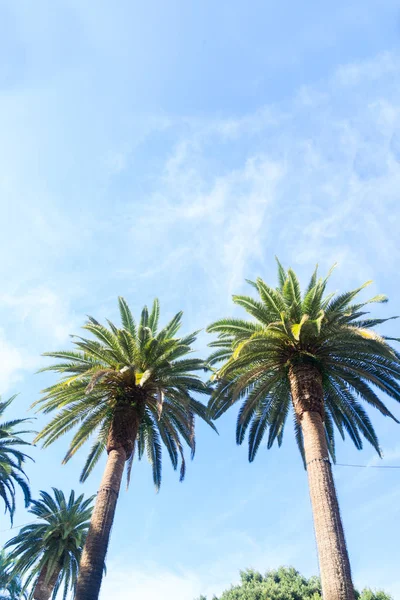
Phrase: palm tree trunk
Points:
(94, 553)
(121, 440)
(308, 401)
(44, 589)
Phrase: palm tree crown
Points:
(330, 334)
(12, 460)
(54, 543)
(135, 368)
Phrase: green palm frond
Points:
(126, 317)
(329, 331)
(12, 460)
(11, 587)
(154, 316)
(135, 364)
(282, 275)
(54, 540)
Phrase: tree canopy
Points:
(284, 583)
(137, 365)
(332, 334)
(53, 542)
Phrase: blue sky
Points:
(173, 149)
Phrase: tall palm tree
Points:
(47, 552)
(10, 586)
(12, 460)
(318, 355)
(134, 386)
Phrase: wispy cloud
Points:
(41, 310)
(34, 321)
(315, 180)
(218, 220)
(310, 180)
(209, 202)
(14, 362)
(390, 456)
(150, 583)
(358, 73)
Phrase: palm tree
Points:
(320, 356)
(48, 551)
(12, 460)
(132, 385)
(10, 586)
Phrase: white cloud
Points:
(41, 311)
(256, 184)
(32, 322)
(357, 73)
(150, 583)
(251, 124)
(314, 179)
(226, 215)
(390, 456)
(310, 180)
(14, 361)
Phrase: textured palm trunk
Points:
(308, 401)
(44, 589)
(120, 445)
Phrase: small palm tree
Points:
(47, 552)
(12, 460)
(319, 355)
(10, 586)
(134, 386)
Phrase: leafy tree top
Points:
(331, 335)
(284, 583)
(135, 366)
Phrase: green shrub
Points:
(284, 583)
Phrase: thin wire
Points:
(31, 522)
(334, 464)
(22, 525)
(368, 466)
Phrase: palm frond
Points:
(12, 460)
